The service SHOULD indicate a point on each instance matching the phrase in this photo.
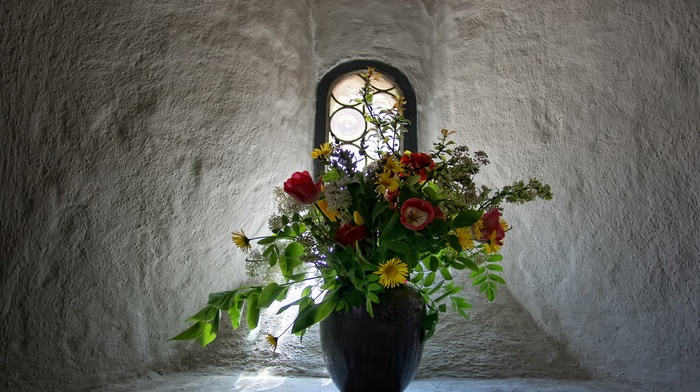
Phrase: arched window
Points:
(339, 118)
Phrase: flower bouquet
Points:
(351, 234)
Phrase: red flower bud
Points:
(348, 234)
(302, 188)
(492, 223)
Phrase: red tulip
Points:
(416, 213)
(302, 188)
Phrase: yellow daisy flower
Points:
(322, 152)
(241, 241)
(492, 245)
(465, 238)
(504, 224)
(386, 182)
(393, 164)
(477, 228)
(392, 273)
(272, 341)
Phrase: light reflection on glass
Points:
(347, 124)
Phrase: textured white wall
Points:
(136, 136)
(601, 100)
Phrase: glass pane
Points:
(383, 101)
(383, 83)
(348, 124)
(348, 89)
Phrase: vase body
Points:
(380, 353)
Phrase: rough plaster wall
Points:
(135, 137)
(601, 100)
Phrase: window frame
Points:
(322, 121)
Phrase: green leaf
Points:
(234, 313)
(306, 291)
(436, 288)
(453, 240)
(289, 305)
(462, 313)
(267, 240)
(430, 193)
(495, 258)
(216, 322)
(439, 227)
(332, 175)
(466, 218)
(207, 336)
(413, 180)
(294, 250)
(481, 279)
(252, 311)
(417, 278)
(190, 333)
(445, 272)
(495, 267)
(468, 263)
(434, 263)
(460, 302)
(442, 308)
(222, 300)
(458, 265)
(313, 314)
(206, 314)
(429, 279)
(497, 278)
(479, 271)
(274, 256)
(491, 293)
(297, 277)
(397, 246)
(378, 209)
(269, 295)
(386, 231)
(429, 323)
(450, 291)
(368, 306)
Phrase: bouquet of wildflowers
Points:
(407, 218)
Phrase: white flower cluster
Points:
(337, 195)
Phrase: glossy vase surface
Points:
(380, 353)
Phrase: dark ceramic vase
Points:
(380, 354)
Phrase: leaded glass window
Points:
(340, 117)
(346, 113)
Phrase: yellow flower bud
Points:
(358, 218)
